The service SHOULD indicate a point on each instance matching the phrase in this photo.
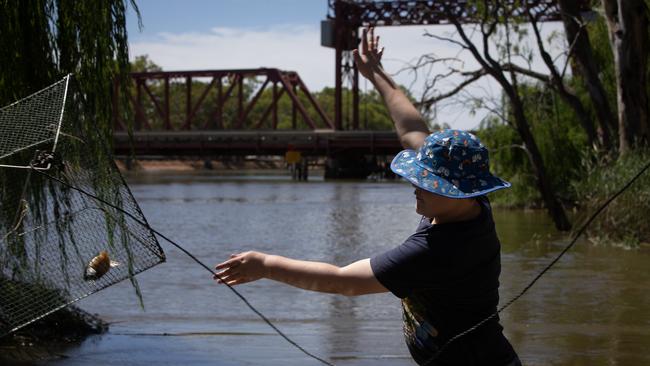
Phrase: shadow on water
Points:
(591, 309)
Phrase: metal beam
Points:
(290, 84)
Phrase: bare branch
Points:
(542, 50)
(582, 27)
(511, 146)
(473, 76)
(490, 31)
(499, 114)
(468, 43)
(528, 72)
(450, 40)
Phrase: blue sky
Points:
(177, 16)
(285, 34)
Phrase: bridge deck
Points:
(258, 142)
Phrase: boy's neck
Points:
(468, 210)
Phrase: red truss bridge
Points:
(265, 111)
(235, 112)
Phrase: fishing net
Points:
(49, 233)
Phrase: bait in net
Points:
(58, 245)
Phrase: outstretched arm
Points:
(409, 124)
(351, 280)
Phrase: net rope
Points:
(52, 224)
(57, 221)
(541, 273)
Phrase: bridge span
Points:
(210, 114)
(202, 144)
(348, 154)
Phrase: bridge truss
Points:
(156, 110)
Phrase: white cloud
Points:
(297, 48)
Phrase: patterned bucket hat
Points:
(451, 163)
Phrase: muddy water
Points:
(593, 308)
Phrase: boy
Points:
(447, 272)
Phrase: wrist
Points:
(382, 81)
(376, 73)
(267, 261)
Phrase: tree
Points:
(581, 51)
(627, 21)
(143, 63)
(490, 15)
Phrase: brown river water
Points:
(592, 308)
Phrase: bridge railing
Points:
(241, 99)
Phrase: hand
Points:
(368, 55)
(241, 268)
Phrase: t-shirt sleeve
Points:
(410, 266)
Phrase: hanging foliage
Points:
(44, 40)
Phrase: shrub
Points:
(625, 220)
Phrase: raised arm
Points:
(409, 124)
(351, 280)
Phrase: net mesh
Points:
(32, 121)
(50, 233)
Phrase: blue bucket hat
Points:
(451, 163)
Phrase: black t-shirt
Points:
(447, 276)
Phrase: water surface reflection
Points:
(592, 309)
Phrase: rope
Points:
(444, 346)
(543, 271)
(170, 241)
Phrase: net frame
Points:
(35, 283)
(65, 81)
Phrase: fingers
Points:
(240, 268)
(231, 277)
(230, 271)
(238, 281)
(227, 276)
(231, 263)
(369, 44)
(357, 58)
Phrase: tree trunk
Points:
(553, 204)
(583, 56)
(593, 136)
(496, 70)
(556, 80)
(627, 21)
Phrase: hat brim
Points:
(406, 165)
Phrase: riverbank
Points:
(253, 166)
(48, 339)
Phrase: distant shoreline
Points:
(177, 165)
(220, 168)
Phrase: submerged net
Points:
(49, 233)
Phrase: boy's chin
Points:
(418, 209)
